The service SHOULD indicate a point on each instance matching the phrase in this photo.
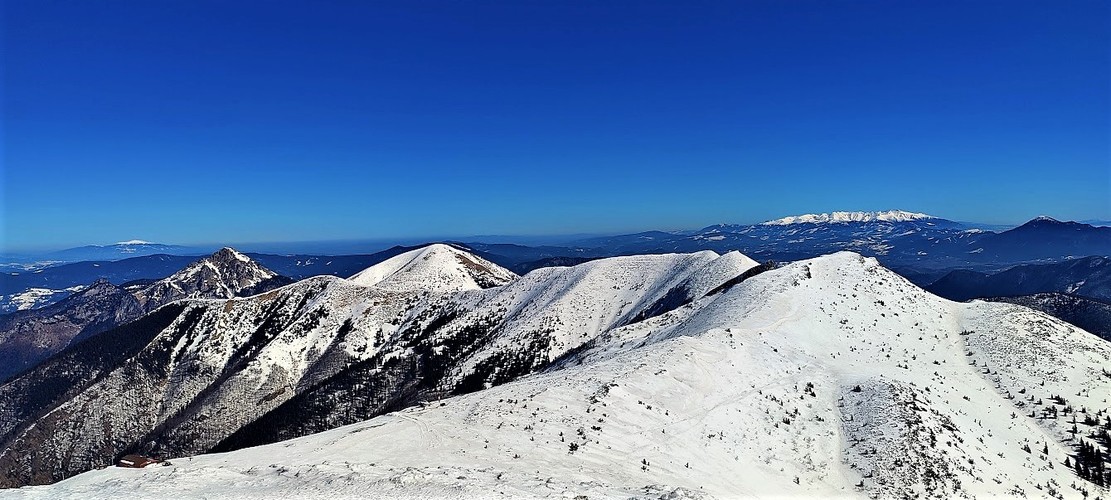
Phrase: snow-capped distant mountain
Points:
(843, 217)
(830, 377)
(923, 246)
(29, 336)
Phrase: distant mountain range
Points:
(122, 250)
(921, 247)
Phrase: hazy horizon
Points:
(373, 244)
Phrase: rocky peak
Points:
(224, 274)
(231, 256)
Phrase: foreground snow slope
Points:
(829, 377)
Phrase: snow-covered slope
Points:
(885, 216)
(554, 310)
(434, 267)
(831, 377)
(1092, 315)
(173, 395)
(458, 343)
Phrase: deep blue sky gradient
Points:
(187, 121)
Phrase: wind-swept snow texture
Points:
(831, 377)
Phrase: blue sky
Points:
(220, 122)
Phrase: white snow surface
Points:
(884, 216)
(569, 306)
(718, 271)
(831, 377)
(438, 266)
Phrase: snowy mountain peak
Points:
(228, 254)
(224, 274)
(436, 267)
(227, 260)
(842, 217)
(1044, 220)
(1047, 222)
(134, 242)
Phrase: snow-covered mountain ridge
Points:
(842, 217)
(304, 354)
(831, 377)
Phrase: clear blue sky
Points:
(188, 121)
